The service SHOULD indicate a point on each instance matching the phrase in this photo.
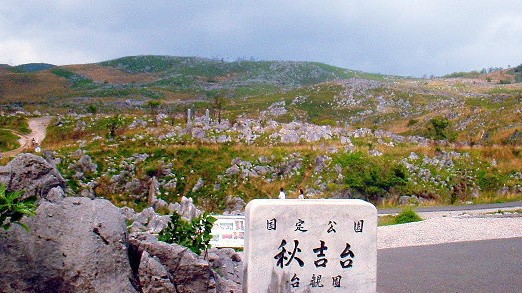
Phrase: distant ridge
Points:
(288, 74)
(33, 67)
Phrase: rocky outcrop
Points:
(185, 208)
(161, 265)
(234, 205)
(34, 175)
(145, 221)
(74, 245)
(78, 244)
(228, 267)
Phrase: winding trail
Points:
(38, 128)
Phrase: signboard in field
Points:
(228, 231)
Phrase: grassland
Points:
(380, 138)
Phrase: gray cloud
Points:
(404, 37)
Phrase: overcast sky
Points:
(405, 37)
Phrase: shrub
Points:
(92, 109)
(195, 234)
(407, 215)
(12, 208)
(439, 125)
(489, 181)
(412, 122)
(370, 176)
(440, 129)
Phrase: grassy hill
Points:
(311, 92)
(156, 77)
(332, 131)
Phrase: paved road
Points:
(458, 208)
(478, 266)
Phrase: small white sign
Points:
(228, 231)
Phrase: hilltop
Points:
(161, 77)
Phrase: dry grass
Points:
(497, 198)
(507, 158)
(30, 87)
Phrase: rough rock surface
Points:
(234, 205)
(32, 174)
(75, 245)
(161, 265)
(228, 266)
(186, 208)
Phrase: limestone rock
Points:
(86, 164)
(228, 266)
(198, 185)
(153, 276)
(153, 191)
(74, 245)
(146, 221)
(186, 208)
(170, 265)
(32, 174)
(321, 162)
(234, 205)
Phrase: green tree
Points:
(154, 106)
(92, 109)
(439, 127)
(219, 102)
(113, 124)
(13, 208)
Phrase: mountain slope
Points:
(283, 90)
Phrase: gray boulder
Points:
(186, 208)
(234, 205)
(160, 266)
(146, 221)
(153, 276)
(32, 174)
(321, 162)
(85, 165)
(228, 266)
(74, 245)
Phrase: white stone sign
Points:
(310, 245)
(228, 231)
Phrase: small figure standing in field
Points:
(301, 194)
(282, 194)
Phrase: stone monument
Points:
(310, 245)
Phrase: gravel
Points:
(452, 226)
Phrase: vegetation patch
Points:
(13, 208)
(8, 141)
(194, 234)
(17, 123)
(407, 215)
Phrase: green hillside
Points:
(257, 126)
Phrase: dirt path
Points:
(38, 128)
